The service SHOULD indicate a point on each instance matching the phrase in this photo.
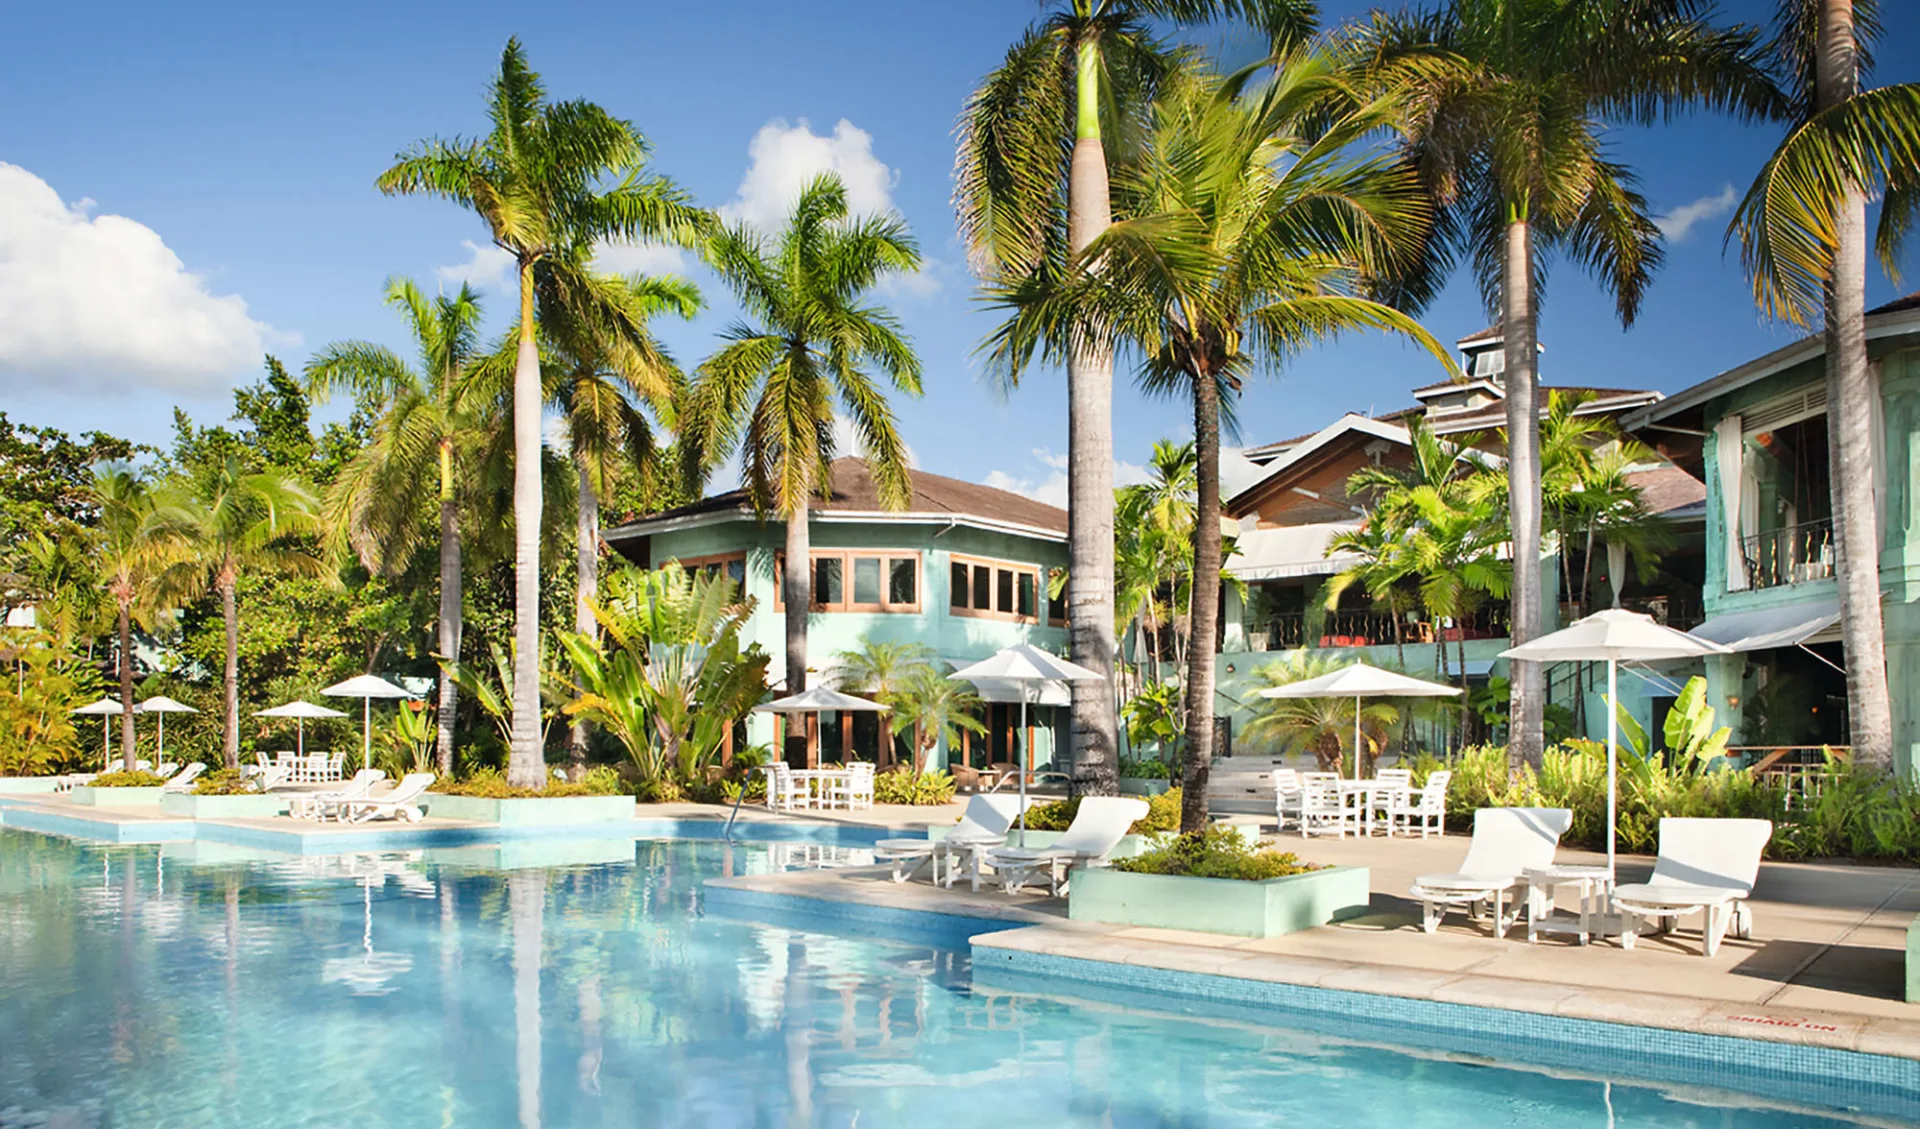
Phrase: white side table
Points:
(1596, 894)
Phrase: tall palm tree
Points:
(140, 535)
(1246, 231)
(1511, 100)
(238, 520)
(884, 671)
(811, 336)
(545, 177)
(428, 424)
(1153, 546)
(1033, 192)
(1802, 230)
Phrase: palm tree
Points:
(1319, 725)
(1452, 543)
(545, 177)
(934, 708)
(1153, 546)
(883, 671)
(1802, 230)
(1510, 100)
(1247, 229)
(139, 537)
(812, 336)
(239, 521)
(428, 421)
(1033, 194)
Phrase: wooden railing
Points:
(1800, 768)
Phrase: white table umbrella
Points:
(1030, 667)
(103, 709)
(162, 705)
(1610, 636)
(1361, 681)
(819, 699)
(366, 687)
(299, 712)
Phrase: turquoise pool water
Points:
(159, 987)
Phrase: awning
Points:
(1296, 550)
(1476, 668)
(1774, 627)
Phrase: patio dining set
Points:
(1326, 803)
(848, 787)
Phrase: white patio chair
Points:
(183, 780)
(1286, 797)
(983, 827)
(1323, 810)
(1424, 809)
(854, 788)
(399, 803)
(1507, 842)
(784, 793)
(320, 805)
(336, 767)
(1706, 866)
(1096, 830)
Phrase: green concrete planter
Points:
(1219, 905)
(218, 807)
(1137, 786)
(533, 812)
(87, 795)
(27, 785)
(1913, 962)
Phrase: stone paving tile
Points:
(1385, 980)
(1501, 991)
(1646, 1008)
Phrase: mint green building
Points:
(963, 569)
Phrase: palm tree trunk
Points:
(526, 760)
(450, 614)
(127, 754)
(586, 593)
(797, 590)
(1096, 736)
(1851, 402)
(1525, 739)
(230, 675)
(1204, 609)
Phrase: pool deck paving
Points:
(1825, 966)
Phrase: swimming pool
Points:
(138, 988)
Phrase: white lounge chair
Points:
(183, 780)
(265, 779)
(983, 827)
(1704, 865)
(1096, 830)
(400, 803)
(1286, 797)
(165, 769)
(319, 805)
(1507, 842)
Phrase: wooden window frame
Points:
(846, 558)
(696, 564)
(998, 566)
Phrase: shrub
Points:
(926, 788)
(223, 782)
(491, 784)
(134, 779)
(1217, 852)
(1163, 815)
(1149, 769)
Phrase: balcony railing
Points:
(1683, 613)
(1792, 554)
(1287, 631)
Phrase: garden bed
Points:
(239, 806)
(88, 796)
(1268, 908)
(531, 811)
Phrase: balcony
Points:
(1288, 631)
(1792, 554)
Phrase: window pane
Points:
(866, 580)
(737, 572)
(1004, 603)
(826, 583)
(1026, 594)
(959, 580)
(982, 588)
(903, 582)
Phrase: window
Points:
(734, 565)
(853, 580)
(995, 589)
(1056, 605)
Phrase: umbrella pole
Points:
(1356, 736)
(1613, 741)
(160, 740)
(1027, 754)
(366, 733)
(300, 736)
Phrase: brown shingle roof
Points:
(855, 491)
(1667, 489)
(1910, 302)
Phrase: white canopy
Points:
(299, 710)
(1771, 627)
(105, 707)
(366, 686)
(1025, 663)
(1362, 681)
(160, 703)
(1289, 551)
(819, 699)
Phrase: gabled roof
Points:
(1491, 333)
(1350, 423)
(856, 497)
(1670, 492)
(1605, 401)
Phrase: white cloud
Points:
(1051, 487)
(486, 268)
(103, 301)
(1677, 223)
(782, 158)
(847, 442)
(640, 258)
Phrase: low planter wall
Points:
(542, 811)
(216, 807)
(27, 785)
(1136, 786)
(87, 795)
(1219, 905)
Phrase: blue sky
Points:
(228, 151)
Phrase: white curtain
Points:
(1727, 457)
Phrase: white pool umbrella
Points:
(162, 705)
(1611, 636)
(1361, 681)
(299, 712)
(1031, 668)
(819, 699)
(103, 709)
(366, 687)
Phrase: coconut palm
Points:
(1033, 192)
(1320, 726)
(883, 670)
(428, 423)
(140, 535)
(934, 708)
(546, 177)
(1510, 102)
(1802, 230)
(235, 521)
(1246, 231)
(811, 336)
